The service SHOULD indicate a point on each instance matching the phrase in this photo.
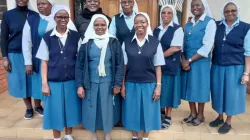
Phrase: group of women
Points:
(97, 75)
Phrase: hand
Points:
(123, 92)
(29, 69)
(116, 90)
(81, 92)
(6, 64)
(185, 64)
(244, 79)
(45, 90)
(157, 93)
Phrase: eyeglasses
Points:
(140, 22)
(127, 2)
(230, 11)
(62, 17)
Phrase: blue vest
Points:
(16, 19)
(173, 61)
(122, 30)
(140, 67)
(34, 21)
(194, 41)
(230, 51)
(61, 67)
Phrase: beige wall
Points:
(216, 5)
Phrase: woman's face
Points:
(44, 7)
(62, 19)
(22, 2)
(167, 15)
(127, 6)
(140, 24)
(197, 8)
(93, 5)
(100, 26)
(230, 12)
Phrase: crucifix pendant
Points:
(139, 52)
(61, 52)
(224, 38)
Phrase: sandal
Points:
(166, 123)
(188, 119)
(197, 121)
(216, 123)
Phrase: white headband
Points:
(175, 18)
(149, 30)
(135, 7)
(230, 1)
(207, 9)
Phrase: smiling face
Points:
(197, 8)
(140, 24)
(100, 26)
(62, 19)
(167, 15)
(230, 12)
(44, 7)
(22, 3)
(127, 6)
(92, 5)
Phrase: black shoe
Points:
(29, 114)
(216, 122)
(39, 110)
(225, 128)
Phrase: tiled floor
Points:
(13, 126)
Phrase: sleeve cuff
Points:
(28, 62)
(202, 53)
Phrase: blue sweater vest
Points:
(16, 19)
(230, 51)
(35, 38)
(193, 39)
(122, 30)
(140, 67)
(61, 67)
(173, 61)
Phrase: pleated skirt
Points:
(139, 111)
(19, 84)
(98, 108)
(63, 107)
(228, 94)
(195, 84)
(171, 91)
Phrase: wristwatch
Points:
(189, 60)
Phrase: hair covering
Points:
(207, 9)
(175, 18)
(135, 7)
(233, 2)
(58, 8)
(29, 5)
(100, 40)
(149, 30)
(51, 2)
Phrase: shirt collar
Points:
(135, 37)
(55, 33)
(236, 23)
(170, 24)
(202, 18)
(122, 14)
(45, 17)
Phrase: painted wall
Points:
(216, 5)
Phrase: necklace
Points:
(225, 36)
(61, 46)
(140, 49)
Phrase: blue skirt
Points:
(19, 84)
(139, 111)
(228, 94)
(171, 91)
(195, 84)
(37, 86)
(98, 108)
(62, 108)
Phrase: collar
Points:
(236, 23)
(55, 33)
(45, 17)
(122, 14)
(202, 18)
(171, 24)
(135, 37)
